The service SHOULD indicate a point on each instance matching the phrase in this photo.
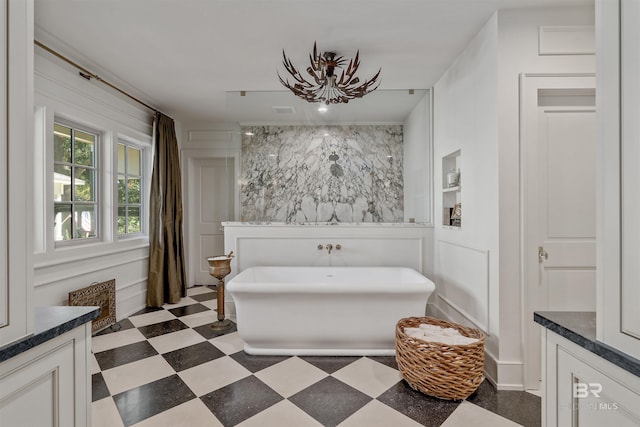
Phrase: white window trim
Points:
(144, 187)
(99, 176)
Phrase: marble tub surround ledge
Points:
(49, 323)
(327, 224)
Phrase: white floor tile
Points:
(151, 318)
(104, 413)
(283, 413)
(95, 368)
(116, 339)
(469, 414)
(199, 319)
(212, 304)
(135, 374)
(183, 301)
(190, 414)
(368, 376)
(290, 376)
(228, 344)
(197, 290)
(175, 340)
(376, 413)
(213, 375)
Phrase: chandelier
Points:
(326, 86)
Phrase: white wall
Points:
(465, 119)
(476, 107)
(518, 53)
(417, 163)
(60, 92)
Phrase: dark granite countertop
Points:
(580, 327)
(50, 322)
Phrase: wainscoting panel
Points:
(398, 245)
(573, 40)
(464, 281)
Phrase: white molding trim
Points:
(504, 375)
(561, 40)
(118, 259)
(524, 98)
(481, 323)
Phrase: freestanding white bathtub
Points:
(325, 310)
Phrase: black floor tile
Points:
(126, 354)
(207, 332)
(162, 328)
(116, 327)
(150, 399)
(426, 410)
(256, 363)
(205, 297)
(241, 400)
(330, 364)
(330, 401)
(194, 355)
(518, 406)
(99, 389)
(186, 310)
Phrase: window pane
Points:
(122, 220)
(133, 218)
(61, 183)
(122, 195)
(121, 167)
(84, 217)
(61, 143)
(84, 148)
(133, 189)
(84, 188)
(62, 222)
(133, 161)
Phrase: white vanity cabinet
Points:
(44, 352)
(44, 379)
(585, 383)
(591, 369)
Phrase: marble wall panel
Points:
(318, 174)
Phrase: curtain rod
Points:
(89, 75)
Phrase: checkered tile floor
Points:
(166, 367)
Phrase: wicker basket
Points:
(446, 371)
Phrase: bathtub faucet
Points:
(330, 247)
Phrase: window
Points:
(129, 189)
(75, 183)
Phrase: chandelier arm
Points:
(325, 85)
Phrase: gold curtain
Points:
(166, 280)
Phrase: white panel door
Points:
(213, 203)
(567, 209)
(559, 218)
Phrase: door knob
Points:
(542, 254)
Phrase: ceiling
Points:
(191, 58)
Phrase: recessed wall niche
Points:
(451, 197)
(318, 174)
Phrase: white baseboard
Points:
(504, 375)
